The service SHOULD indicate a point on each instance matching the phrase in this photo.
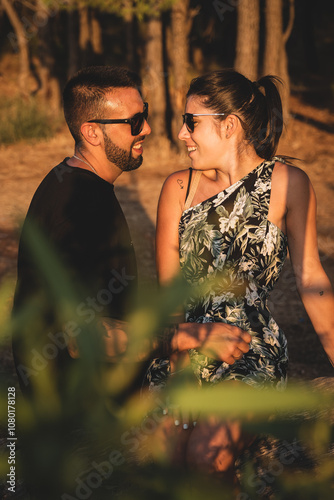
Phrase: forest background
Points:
(167, 42)
(43, 42)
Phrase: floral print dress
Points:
(231, 255)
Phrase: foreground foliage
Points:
(90, 441)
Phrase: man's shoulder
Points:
(55, 178)
(64, 181)
(72, 194)
(63, 175)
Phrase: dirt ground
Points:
(309, 136)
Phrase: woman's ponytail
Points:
(267, 137)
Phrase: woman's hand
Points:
(115, 337)
(226, 342)
(220, 341)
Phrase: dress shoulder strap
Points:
(189, 181)
(193, 189)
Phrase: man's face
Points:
(124, 150)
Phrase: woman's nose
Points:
(183, 135)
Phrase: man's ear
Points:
(91, 133)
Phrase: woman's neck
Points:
(235, 165)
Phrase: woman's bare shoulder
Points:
(294, 183)
(291, 174)
(177, 182)
(176, 177)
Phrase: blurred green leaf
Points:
(230, 399)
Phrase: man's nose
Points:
(146, 129)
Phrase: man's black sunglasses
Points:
(136, 122)
(188, 119)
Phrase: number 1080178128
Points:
(11, 411)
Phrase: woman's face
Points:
(206, 144)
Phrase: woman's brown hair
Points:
(257, 104)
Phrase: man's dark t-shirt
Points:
(78, 215)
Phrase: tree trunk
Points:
(274, 36)
(19, 41)
(247, 47)
(90, 36)
(154, 80)
(275, 56)
(96, 35)
(72, 43)
(180, 28)
(198, 59)
(45, 63)
(129, 33)
(84, 35)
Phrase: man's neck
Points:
(104, 169)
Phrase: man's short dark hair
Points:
(84, 94)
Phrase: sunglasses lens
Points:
(189, 121)
(137, 121)
(145, 112)
(137, 124)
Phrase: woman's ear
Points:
(230, 125)
(91, 133)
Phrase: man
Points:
(77, 216)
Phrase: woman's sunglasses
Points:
(188, 119)
(136, 122)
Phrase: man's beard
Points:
(120, 157)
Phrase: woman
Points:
(244, 209)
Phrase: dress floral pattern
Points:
(231, 255)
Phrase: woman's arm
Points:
(170, 208)
(312, 282)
